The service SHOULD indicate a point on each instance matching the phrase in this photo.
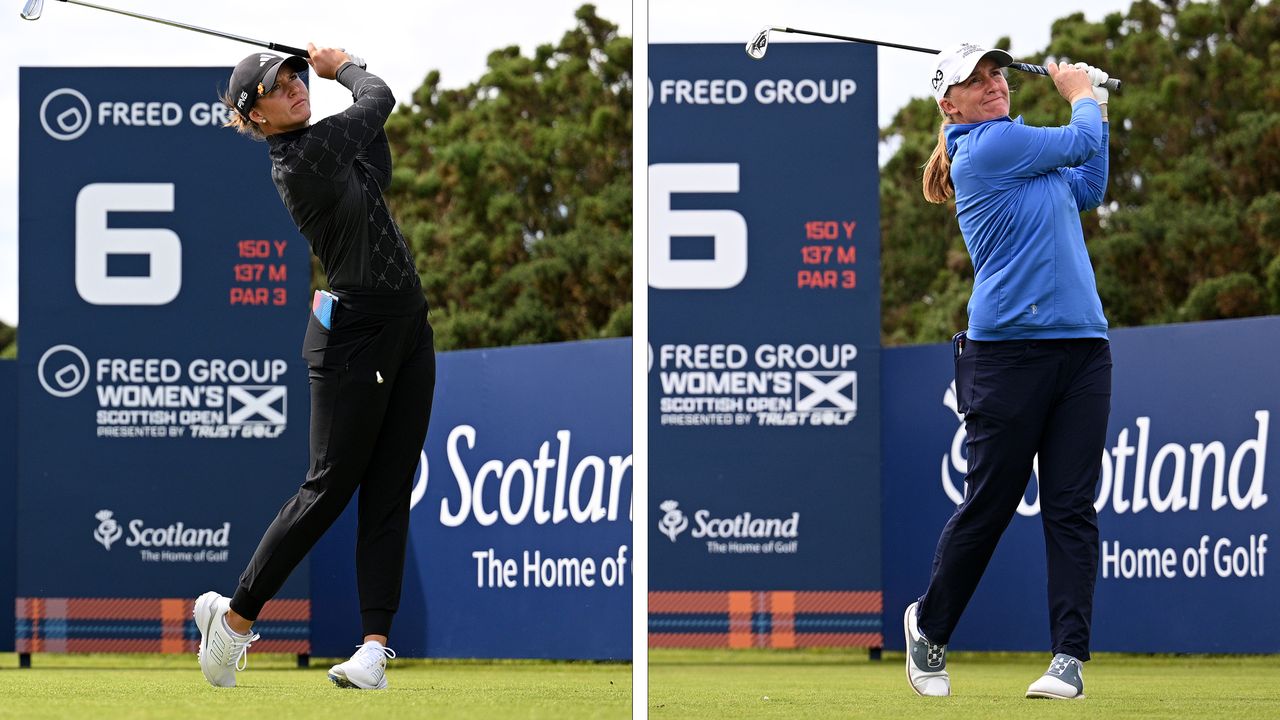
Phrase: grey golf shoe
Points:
(926, 661)
(1064, 680)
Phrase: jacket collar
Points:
(958, 130)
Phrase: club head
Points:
(759, 44)
(32, 10)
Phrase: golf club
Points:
(33, 8)
(760, 44)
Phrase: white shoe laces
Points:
(238, 652)
(370, 655)
(1058, 665)
(935, 654)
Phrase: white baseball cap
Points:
(957, 62)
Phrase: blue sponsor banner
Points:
(764, 438)
(520, 535)
(1186, 518)
(162, 397)
(8, 497)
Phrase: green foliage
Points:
(8, 342)
(1190, 229)
(515, 192)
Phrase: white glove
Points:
(360, 62)
(1097, 77)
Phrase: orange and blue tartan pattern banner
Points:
(766, 618)
(150, 625)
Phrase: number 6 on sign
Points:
(728, 266)
(95, 242)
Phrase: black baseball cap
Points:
(255, 75)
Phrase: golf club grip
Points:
(289, 49)
(1113, 84)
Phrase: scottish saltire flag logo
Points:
(257, 404)
(827, 391)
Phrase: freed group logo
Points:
(155, 397)
(63, 371)
(781, 384)
(66, 113)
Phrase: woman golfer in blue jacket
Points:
(1033, 369)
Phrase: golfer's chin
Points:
(298, 119)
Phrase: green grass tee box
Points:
(813, 685)
(103, 687)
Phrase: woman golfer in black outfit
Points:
(368, 347)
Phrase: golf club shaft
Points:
(172, 23)
(1112, 84)
(845, 37)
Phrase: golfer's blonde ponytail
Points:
(937, 171)
(237, 122)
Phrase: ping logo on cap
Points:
(244, 95)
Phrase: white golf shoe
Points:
(366, 670)
(222, 652)
(926, 661)
(1064, 680)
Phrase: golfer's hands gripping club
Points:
(1072, 82)
(326, 61)
(1097, 76)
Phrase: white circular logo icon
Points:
(65, 118)
(63, 370)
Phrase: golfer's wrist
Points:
(337, 75)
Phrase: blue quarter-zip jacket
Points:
(1019, 194)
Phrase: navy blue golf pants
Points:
(1021, 398)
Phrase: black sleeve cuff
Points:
(343, 68)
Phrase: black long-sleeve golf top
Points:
(331, 177)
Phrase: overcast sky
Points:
(404, 39)
(902, 75)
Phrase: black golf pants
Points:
(1020, 398)
(372, 378)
